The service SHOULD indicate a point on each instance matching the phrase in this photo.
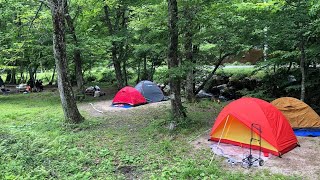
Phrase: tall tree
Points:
(188, 14)
(69, 106)
(76, 52)
(117, 29)
(173, 63)
(302, 69)
(151, 42)
(222, 35)
(295, 22)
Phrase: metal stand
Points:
(249, 160)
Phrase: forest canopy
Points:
(122, 42)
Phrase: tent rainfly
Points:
(128, 96)
(233, 126)
(302, 118)
(150, 91)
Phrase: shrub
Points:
(107, 76)
(90, 78)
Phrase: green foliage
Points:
(107, 77)
(236, 73)
(161, 75)
(90, 78)
(261, 94)
(218, 27)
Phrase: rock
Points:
(166, 90)
(203, 94)
(291, 79)
(223, 99)
(215, 91)
(222, 86)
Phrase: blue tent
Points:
(126, 106)
(307, 132)
(150, 91)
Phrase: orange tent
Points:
(298, 113)
(233, 126)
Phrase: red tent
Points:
(233, 126)
(129, 95)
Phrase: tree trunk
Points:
(114, 50)
(124, 70)
(123, 56)
(138, 72)
(35, 75)
(76, 52)
(188, 15)
(78, 70)
(152, 71)
(21, 77)
(31, 74)
(26, 77)
(189, 62)
(71, 112)
(190, 88)
(303, 73)
(9, 76)
(289, 68)
(178, 112)
(117, 67)
(13, 79)
(212, 73)
(145, 71)
(35, 72)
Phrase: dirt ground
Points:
(103, 108)
(302, 161)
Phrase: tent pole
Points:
(220, 138)
(223, 130)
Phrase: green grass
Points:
(37, 144)
(239, 73)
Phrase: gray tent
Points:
(150, 91)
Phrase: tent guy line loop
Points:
(96, 108)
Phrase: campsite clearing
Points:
(104, 108)
(119, 144)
